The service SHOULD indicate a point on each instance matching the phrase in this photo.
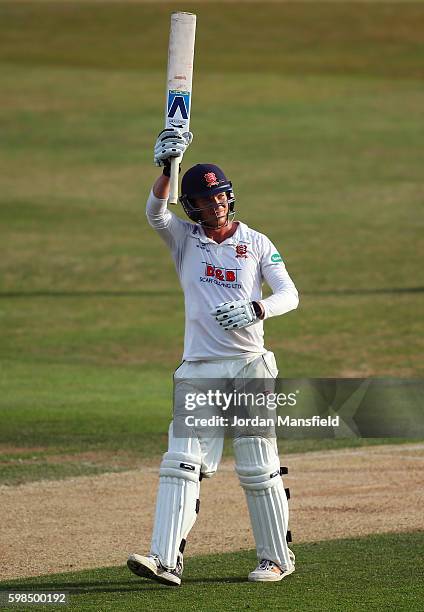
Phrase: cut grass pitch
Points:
(383, 572)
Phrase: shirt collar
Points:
(242, 234)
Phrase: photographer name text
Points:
(279, 421)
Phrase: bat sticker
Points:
(178, 108)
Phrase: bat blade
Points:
(179, 83)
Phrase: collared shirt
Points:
(212, 273)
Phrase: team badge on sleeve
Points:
(276, 258)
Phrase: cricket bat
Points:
(179, 83)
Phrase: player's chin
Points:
(216, 223)
(221, 221)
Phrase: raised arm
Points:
(170, 143)
(161, 187)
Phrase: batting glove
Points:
(171, 143)
(237, 314)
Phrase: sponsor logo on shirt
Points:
(221, 273)
(276, 258)
(224, 277)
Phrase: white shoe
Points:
(151, 567)
(268, 571)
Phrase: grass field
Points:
(359, 574)
(315, 112)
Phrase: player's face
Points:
(214, 209)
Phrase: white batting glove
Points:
(171, 143)
(235, 315)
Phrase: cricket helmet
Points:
(202, 181)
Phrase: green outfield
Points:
(314, 110)
(353, 575)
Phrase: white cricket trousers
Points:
(189, 459)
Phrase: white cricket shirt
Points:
(212, 273)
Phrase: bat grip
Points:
(175, 169)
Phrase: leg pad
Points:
(258, 469)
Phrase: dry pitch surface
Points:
(90, 522)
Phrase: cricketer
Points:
(221, 264)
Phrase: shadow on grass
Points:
(121, 586)
(167, 292)
(86, 294)
(376, 291)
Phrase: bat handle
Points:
(175, 169)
